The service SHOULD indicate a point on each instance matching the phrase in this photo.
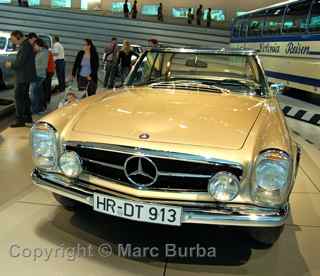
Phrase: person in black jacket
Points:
(126, 9)
(25, 69)
(199, 15)
(125, 59)
(86, 67)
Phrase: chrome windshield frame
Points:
(227, 52)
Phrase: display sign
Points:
(118, 6)
(90, 4)
(216, 15)
(34, 2)
(181, 12)
(150, 9)
(61, 3)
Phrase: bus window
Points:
(273, 21)
(236, 28)
(255, 24)
(314, 24)
(243, 28)
(295, 20)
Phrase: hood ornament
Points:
(144, 136)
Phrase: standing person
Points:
(50, 72)
(110, 59)
(209, 18)
(190, 16)
(38, 99)
(126, 9)
(3, 85)
(24, 65)
(86, 67)
(32, 37)
(153, 43)
(58, 54)
(134, 10)
(199, 15)
(125, 57)
(160, 13)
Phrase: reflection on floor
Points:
(38, 237)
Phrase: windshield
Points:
(3, 42)
(199, 71)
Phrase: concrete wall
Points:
(73, 27)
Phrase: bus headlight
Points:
(44, 146)
(271, 178)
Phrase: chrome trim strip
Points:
(155, 153)
(221, 51)
(241, 216)
(184, 175)
(103, 164)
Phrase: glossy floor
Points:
(39, 237)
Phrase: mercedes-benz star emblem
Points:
(141, 171)
(144, 136)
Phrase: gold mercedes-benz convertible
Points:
(194, 136)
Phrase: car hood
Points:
(173, 116)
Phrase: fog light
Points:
(223, 186)
(70, 164)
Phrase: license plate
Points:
(146, 212)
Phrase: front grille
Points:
(173, 174)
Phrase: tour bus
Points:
(287, 37)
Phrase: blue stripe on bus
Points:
(294, 78)
(278, 38)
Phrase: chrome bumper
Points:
(237, 215)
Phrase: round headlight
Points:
(272, 170)
(271, 178)
(223, 186)
(44, 146)
(70, 164)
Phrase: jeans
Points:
(47, 88)
(61, 74)
(37, 96)
(23, 104)
(124, 73)
(111, 70)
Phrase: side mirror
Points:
(277, 88)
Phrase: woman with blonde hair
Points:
(125, 59)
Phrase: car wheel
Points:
(266, 235)
(67, 203)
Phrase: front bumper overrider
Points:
(229, 215)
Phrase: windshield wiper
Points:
(251, 86)
(190, 85)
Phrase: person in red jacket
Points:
(47, 83)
